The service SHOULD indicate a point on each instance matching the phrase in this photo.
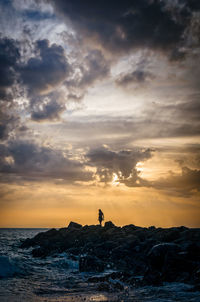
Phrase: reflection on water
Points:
(98, 298)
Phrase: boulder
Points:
(109, 225)
(74, 225)
(152, 277)
(168, 261)
(104, 287)
(91, 264)
(159, 252)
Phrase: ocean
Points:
(24, 278)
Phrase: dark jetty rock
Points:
(91, 264)
(74, 225)
(157, 254)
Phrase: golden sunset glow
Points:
(99, 110)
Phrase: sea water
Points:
(28, 279)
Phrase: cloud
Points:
(27, 160)
(9, 57)
(8, 123)
(124, 25)
(136, 77)
(52, 81)
(49, 111)
(9, 60)
(92, 67)
(122, 163)
(184, 184)
(185, 121)
(46, 77)
(95, 67)
(45, 71)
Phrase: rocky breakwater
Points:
(157, 255)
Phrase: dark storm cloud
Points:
(95, 67)
(9, 60)
(26, 159)
(45, 71)
(137, 77)
(8, 122)
(92, 67)
(185, 184)
(49, 111)
(130, 24)
(39, 77)
(9, 56)
(122, 163)
(193, 4)
(49, 68)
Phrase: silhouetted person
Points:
(101, 216)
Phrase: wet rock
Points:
(40, 252)
(74, 251)
(110, 286)
(122, 276)
(91, 264)
(98, 279)
(159, 252)
(193, 251)
(152, 277)
(27, 243)
(117, 286)
(104, 287)
(168, 262)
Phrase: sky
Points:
(99, 108)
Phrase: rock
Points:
(109, 225)
(98, 279)
(158, 253)
(40, 252)
(91, 264)
(73, 251)
(110, 287)
(197, 276)
(152, 227)
(103, 287)
(117, 286)
(193, 251)
(170, 262)
(135, 250)
(121, 252)
(27, 243)
(152, 277)
(103, 250)
(122, 276)
(129, 228)
(74, 225)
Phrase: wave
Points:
(9, 267)
(64, 261)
